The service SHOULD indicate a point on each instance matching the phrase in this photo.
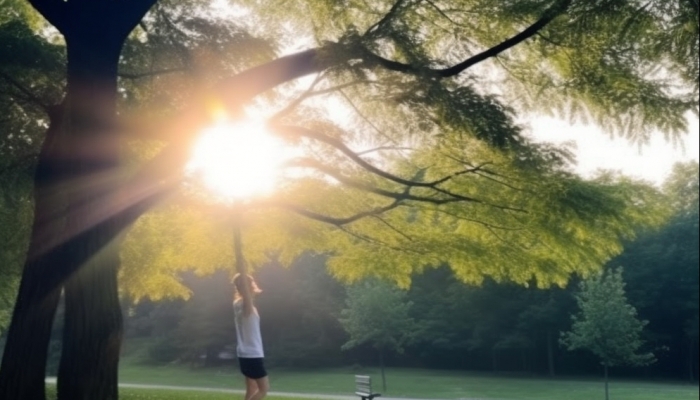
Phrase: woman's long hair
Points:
(238, 286)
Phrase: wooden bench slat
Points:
(363, 387)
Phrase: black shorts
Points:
(252, 368)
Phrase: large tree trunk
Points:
(92, 334)
(77, 217)
(93, 323)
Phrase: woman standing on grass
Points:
(249, 347)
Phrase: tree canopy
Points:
(472, 190)
(606, 324)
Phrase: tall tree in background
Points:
(662, 274)
(683, 186)
(377, 313)
(607, 325)
(489, 196)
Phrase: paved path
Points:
(234, 391)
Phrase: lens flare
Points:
(238, 160)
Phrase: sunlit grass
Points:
(159, 394)
(410, 383)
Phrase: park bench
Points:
(363, 387)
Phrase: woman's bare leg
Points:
(263, 386)
(251, 388)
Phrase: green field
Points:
(144, 394)
(410, 383)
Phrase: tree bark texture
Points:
(92, 333)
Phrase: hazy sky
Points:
(596, 150)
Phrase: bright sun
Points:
(238, 160)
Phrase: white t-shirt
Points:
(247, 332)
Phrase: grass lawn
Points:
(146, 394)
(408, 383)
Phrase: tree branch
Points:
(294, 103)
(299, 131)
(451, 198)
(367, 120)
(476, 221)
(173, 40)
(393, 228)
(386, 18)
(554, 11)
(371, 168)
(341, 223)
(439, 10)
(557, 9)
(489, 174)
(239, 89)
(335, 221)
(382, 148)
(139, 75)
(458, 173)
(371, 240)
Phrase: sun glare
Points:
(238, 160)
